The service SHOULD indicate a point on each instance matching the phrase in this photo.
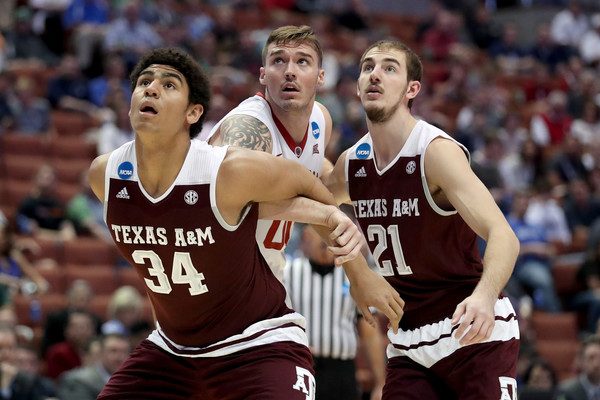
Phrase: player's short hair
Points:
(189, 68)
(414, 67)
(292, 34)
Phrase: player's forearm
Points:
(313, 188)
(298, 209)
(500, 255)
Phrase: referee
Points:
(321, 292)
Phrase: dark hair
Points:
(189, 68)
(414, 67)
(295, 35)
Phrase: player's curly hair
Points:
(189, 68)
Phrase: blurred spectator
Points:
(113, 82)
(15, 270)
(586, 386)
(68, 354)
(532, 271)
(26, 45)
(130, 36)
(545, 210)
(581, 210)
(86, 21)
(227, 33)
(87, 213)
(589, 47)
(568, 163)
(125, 309)
(42, 213)
(440, 38)
(17, 383)
(69, 89)
(31, 113)
(587, 128)
(485, 164)
(86, 383)
(551, 125)
(27, 360)
(48, 24)
(569, 25)
(484, 31)
(115, 129)
(588, 300)
(79, 297)
(522, 169)
(546, 51)
(539, 381)
(508, 51)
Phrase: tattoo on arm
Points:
(247, 132)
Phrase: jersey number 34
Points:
(183, 272)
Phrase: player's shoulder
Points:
(362, 149)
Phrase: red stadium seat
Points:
(555, 326)
(89, 251)
(102, 280)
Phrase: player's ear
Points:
(261, 76)
(321, 77)
(413, 89)
(194, 113)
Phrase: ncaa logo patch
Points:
(363, 151)
(191, 197)
(125, 170)
(316, 131)
(411, 167)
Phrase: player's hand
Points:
(346, 237)
(475, 316)
(372, 290)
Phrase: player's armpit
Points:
(247, 132)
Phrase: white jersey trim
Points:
(287, 328)
(432, 342)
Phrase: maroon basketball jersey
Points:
(427, 254)
(212, 291)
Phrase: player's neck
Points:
(389, 137)
(294, 121)
(159, 164)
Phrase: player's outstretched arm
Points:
(447, 168)
(247, 176)
(345, 237)
(244, 131)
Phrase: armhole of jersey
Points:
(346, 178)
(213, 196)
(107, 185)
(430, 200)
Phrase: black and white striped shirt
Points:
(322, 295)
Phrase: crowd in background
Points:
(523, 98)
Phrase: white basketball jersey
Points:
(272, 236)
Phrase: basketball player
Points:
(421, 207)
(184, 215)
(286, 121)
